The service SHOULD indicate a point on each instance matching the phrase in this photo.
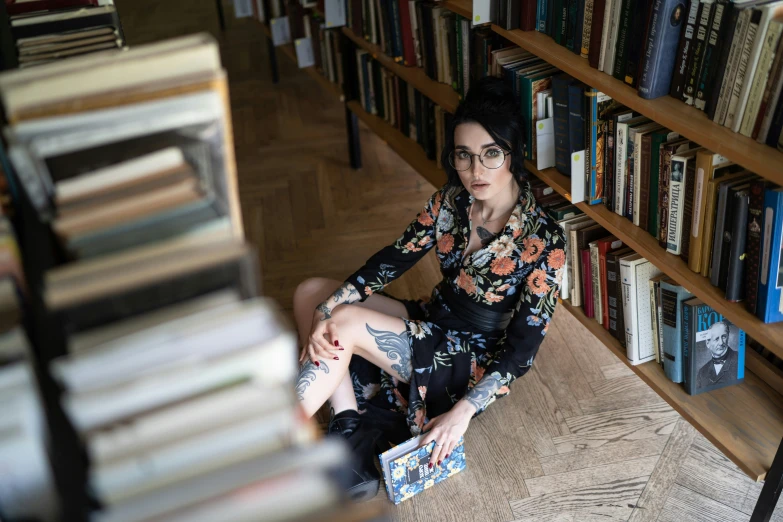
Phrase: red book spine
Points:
(587, 283)
(528, 15)
(408, 51)
(602, 248)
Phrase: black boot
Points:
(366, 480)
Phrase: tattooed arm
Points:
(482, 393)
(346, 294)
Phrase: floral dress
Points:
(519, 270)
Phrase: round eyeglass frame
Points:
(452, 153)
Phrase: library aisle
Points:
(580, 438)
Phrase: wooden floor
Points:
(580, 438)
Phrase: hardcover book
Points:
(635, 272)
(770, 296)
(661, 47)
(672, 296)
(713, 349)
(614, 292)
(406, 468)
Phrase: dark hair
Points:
(490, 102)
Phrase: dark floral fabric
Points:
(519, 270)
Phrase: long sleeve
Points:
(530, 321)
(392, 261)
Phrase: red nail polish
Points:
(431, 465)
(447, 456)
(335, 343)
(439, 462)
(336, 358)
(342, 348)
(317, 363)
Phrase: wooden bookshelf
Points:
(669, 112)
(408, 149)
(744, 421)
(288, 50)
(440, 93)
(769, 335)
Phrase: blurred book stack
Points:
(173, 377)
(49, 30)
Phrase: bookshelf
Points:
(744, 421)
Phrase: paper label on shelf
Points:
(281, 32)
(243, 8)
(335, 13)
(578, 181)
(545, 144)
(304, 52)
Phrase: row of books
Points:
(387, 96)
(720, 56)
(650, 314)
(49, 30)
(176, 376)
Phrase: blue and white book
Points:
(406, 469)
(672, 295)
(770, 300)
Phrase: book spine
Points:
(591, 169)
(717, 241)
(664, 195)
(640, 23)
(630, 174)
(706, 77)
(733, 113)
(699, 203)
(628, 278)
(587, 28)
(771, 97)
(408, 52)
(735, 288)
(621, 54)
(595, 270)
(609, 166)
(541, 16)
(576, 118)
(699, 42)
(644, 179)
(572, 20)
(605, 33)
(752, 64)
(660, 50)
(574, 271)
(587, 282)
(612, 277)
(604, 287)
(761, 77)
(654, 319)
(676, 195)
(596, 32)
(620, 153)
(755, 226)
(396, 24)
(732, 64)
(688, 323)
(560, 21)
(687, 215)
(655, 163)
(716, 81)
(684, 51)
(769, 293)
(611, 44)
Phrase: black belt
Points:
(472, 313)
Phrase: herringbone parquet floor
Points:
(580, 439)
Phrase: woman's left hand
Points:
(446, 430)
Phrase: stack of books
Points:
(175, 376)
(49, 30)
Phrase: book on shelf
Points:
(713, 349)
(672, 296)
(635, 272)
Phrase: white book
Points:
(767, 13)
(89, 339)
(176, 61)
(545, 143)
(635, 272)
(608, 9)
(194, 455)
(415, 33)
(769, 48)
(185, 419)
(740, 33)
(326, 453)
(304, 52)
(13, 344)
(578, 182)
(620, 156)
(595, 279)
(272, 363)
(58, 16)
(119, 175)
(743, 59)
(201, 336)
(567, 225)
(484, 12)
(677, 188)
(277, 498)
(611, 42)
(335, 13)
(775, 92)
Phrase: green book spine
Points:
(560, 17)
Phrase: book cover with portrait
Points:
(713, 349)
(406, 469)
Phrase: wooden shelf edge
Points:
(461, 7)
(669, 112)
(692, 407)
(288, 50)
(409, 150)
(769, 335)
(440, 93)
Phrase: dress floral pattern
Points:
(519, 270)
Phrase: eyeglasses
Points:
(491, 158)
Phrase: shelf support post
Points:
(354, 145)
(273, 60)
(770, 493)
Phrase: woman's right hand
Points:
(323, 342)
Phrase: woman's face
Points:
(483, 183)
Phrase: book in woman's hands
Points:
(406, 469)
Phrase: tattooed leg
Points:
(397, 348)
(482, 392)
(308, 373)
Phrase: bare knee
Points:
(312, 291)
